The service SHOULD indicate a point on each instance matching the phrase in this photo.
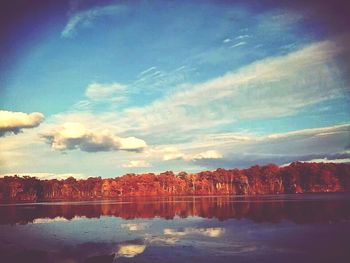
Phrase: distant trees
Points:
(269, 179)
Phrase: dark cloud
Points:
(245, 161)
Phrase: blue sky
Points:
(102, 88)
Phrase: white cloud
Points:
(167, 153)
(131, 144)
(16, 121)
(86, 17)
(111, 92)
(72, 135)
(156, 81)
(210, 154)
(137, 163)
(146, 71)
(242, 37)
(326, 160)
(238, 44)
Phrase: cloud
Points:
(86, 17)
(111, 92)
(72, 135)
(270, 88)
(137, 163)
(210, 154)
(320, 144)
(242, 37)
(244, 150)
(312, 132)
(155, 81)
(242, 43)
(326, 160)
(14, 122)
(146, 71)
(168, 153)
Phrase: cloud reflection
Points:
(210, 232)
(134, 226)
(130, 250)
(56, 219)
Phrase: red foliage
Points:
(270, 179)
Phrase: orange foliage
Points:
(270, 179)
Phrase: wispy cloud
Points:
(273, 87)
(168, 153)
(86, 17)
(242, 37)
(209, 154)
(155, 80)
(146, 71)
(137, 164)
(105, 91)
(14, 122)
(238, 44)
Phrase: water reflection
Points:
(210, 232)
(305, 228)
(300, 209)
(134, 226)
(130, 250)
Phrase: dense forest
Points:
(257, 180)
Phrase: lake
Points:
(278, 228)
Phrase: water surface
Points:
(283, 228)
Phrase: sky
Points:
(105, 88)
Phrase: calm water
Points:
(284, 228)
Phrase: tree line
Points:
(297, 177)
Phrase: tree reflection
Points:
(264, 209)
